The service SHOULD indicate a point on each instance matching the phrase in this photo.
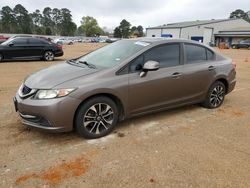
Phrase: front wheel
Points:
(96, 117)
(215, 95)
(49, 56)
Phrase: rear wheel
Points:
(215, 95)
(96, 117)
(49, 56)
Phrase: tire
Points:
(96, 117)
(48, 56)
(215, 95)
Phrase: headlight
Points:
(52, 93)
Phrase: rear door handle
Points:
(210, 68)
(176, 75)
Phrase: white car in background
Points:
(64, 41)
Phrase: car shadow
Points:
(74, 137)
(157, 115)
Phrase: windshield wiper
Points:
(88, 64)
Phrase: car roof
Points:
(36, 38)
(162, 40)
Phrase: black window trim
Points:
(181, 58)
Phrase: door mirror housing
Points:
(10, 44)
(149, 66)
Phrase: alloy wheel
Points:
(98, 118)
(217, 96)
(49, 56)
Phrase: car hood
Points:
(54, 75)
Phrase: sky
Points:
(109, 13)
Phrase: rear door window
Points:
(195, 53)
(36, 41)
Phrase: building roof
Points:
(191, 23)
(238, 31)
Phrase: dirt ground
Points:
(186, 147)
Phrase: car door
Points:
(36, 47)
(159, 88)
(17, 48)
(198, 71)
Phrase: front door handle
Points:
(210, 68)
(176, 75)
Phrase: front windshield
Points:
(113, 54)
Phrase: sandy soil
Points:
(186, 147)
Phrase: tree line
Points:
(48, 22)
(124, 30)
(54, 21)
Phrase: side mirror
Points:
(149, 66)
(10, 44)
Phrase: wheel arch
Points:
(113, 97)
(224, 81)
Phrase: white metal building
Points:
(206, 31)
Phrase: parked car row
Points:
(72, 40)
(64, 41)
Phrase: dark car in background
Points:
(242, 44)
(26, 48)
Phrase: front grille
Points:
(26, 90)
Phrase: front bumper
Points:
(54, 115)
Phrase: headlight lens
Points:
(53, 93)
